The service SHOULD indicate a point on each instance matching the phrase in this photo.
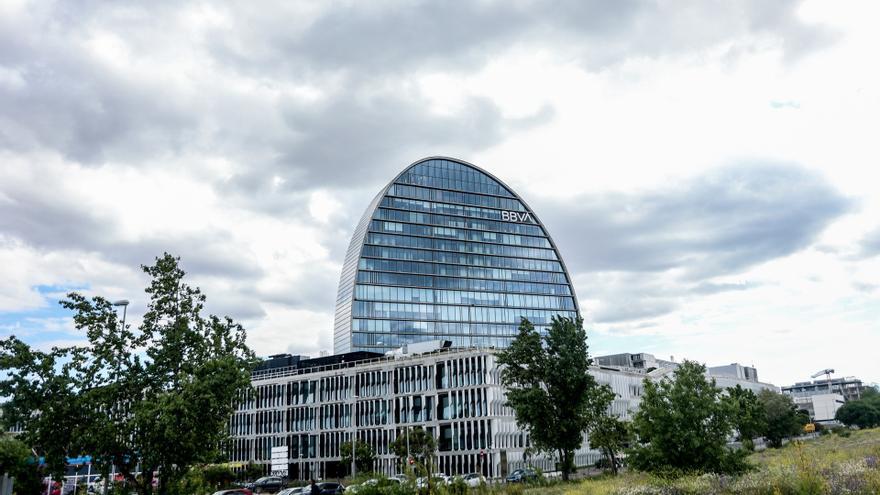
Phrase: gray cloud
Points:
(369, 121)
(45, 216)
(708, 288)
(717, 224)
(633, 309)
(313, 288)
(374, 39)
(869, 246)
(228, 95)
(643, 255)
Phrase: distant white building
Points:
(821, 407)
(727, 376)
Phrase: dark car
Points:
(326, 488)
(267, 484)
(521, 476)
(234, 491)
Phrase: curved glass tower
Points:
(447, 251)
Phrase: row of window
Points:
(460, 234)
(448, 169)
(443, 208)
(422, 268)
(387, 341)
(409, 254)
(474, 284)
(435, 296)
(438, 328)
(456, 404)
(458, 222)
(459, 178)
(457, 436)
(466, 435)
(477, 314)
(455, 246)
(463, 198)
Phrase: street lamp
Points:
(355, 397)
(124, 304)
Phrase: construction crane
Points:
(827, 372)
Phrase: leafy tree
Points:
(783, 419)
(17, 461)
(864, 413)
(422, 446)
(748, 415)
(158, 397)
(217, 475)
(682, 425)
(550, 389)
(250, 472)
(364, 455)
(610, 435)
(41, 391)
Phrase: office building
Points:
(446, 251)
(313, 406)
(642, 361)
(849, 387)
(727, 376)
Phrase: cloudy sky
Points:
(708, 169)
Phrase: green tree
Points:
(250, 472)
(783, 418)
(682, 425)
(364, 456)
(17, 461)
(610, 436)
(550, 389)
(158, 397)
(42, 397)
(422, 447)
(864, 413)
(748, 415)
(217, 475)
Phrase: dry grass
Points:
(827, 465)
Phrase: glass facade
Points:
(446, 251)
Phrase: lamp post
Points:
(407, 444)
(471, 325)
(353, 435)
(124, 304)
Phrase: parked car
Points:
(473, 480)
(436, 479)
(521, 476)
(372, 482)
(326, 488)
(234, 491)
(291, 491)
(266, 484)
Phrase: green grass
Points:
(830, 464)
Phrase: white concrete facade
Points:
(455, 394)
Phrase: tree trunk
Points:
(613, 459)
(146, 482)
(564, 464)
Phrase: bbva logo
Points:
(515, 216)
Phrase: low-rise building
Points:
(821, 407)
(313, 406)
(727, 376)
(850, 387)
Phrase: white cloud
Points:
(248, 140)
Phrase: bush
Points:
(682, 426)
